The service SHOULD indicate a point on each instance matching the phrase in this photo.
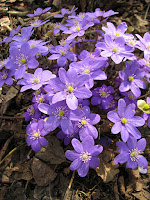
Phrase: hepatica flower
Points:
(37, 23)
(39, 11)
(125, 121)
(36, 133)
(93, 69)
(21, 59)
(32, 113)
(116, 49)
(59, 116)
(70, 87)
(84, 121)
(144, 43)
(6, 77)
(130, 152)
(35, 81)
(132, 79)
(102, 95)
(62, 53)
(84, 155)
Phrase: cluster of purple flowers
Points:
(62, 90)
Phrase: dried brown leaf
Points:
(107, 171)
(42, 173)
(53, 153)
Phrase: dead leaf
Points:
(142, 195)
(42, 173)
(53, 153)
(107, 171)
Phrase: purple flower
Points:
(38, 44)
(37, 23)
(35, 81)
(116, 49)
(84, 155)
(130, 152)
(102, 95)
(130, 98)
(62, 53)
(144, 43)
(132, 79)
(6, 77)
(93, 69)
(26, 33)
(84, 121)
(3, 63)
(21, 59)
(36, 133)
(125, 121)
(32, 113)
(116, 32)
(78, 29)
(58, 27)
(12, 33)
(39, 11)
(59, 116)
(66, 12)
(70, 87)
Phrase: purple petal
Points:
(94, 162)
(136, 121)
(77, 145)
(83, 170)
(131, 164)
(121, 107)
(113, 116)
(76, 164)
(121, 158)
(141, 144)
(36, 146)
(124, 133)
(72, 155)
(72, 101)
(59, 96)
(142, 162)
(83, 93)
(43, 141)
(116, 128)
(51, 123)
(88, 143)
(133, 131)
(63, 76)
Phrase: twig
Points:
(3, 150)
(4, 117)
(11, 153)
(69, 186)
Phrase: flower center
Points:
(146, 106)
(131, 78)
(36, 80)
(77, 28)
(117, 34)
(83, 122)
(69, 89)
(32, 45)
(62, 53)
(114, 49)
(86, 71)
(35, 24)
(31, 110)
(134, 154)
(85, 156)
(148, 47)
(61, 112)
(23, 61)
(23, 39)
(132, 42)
(123, 120)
